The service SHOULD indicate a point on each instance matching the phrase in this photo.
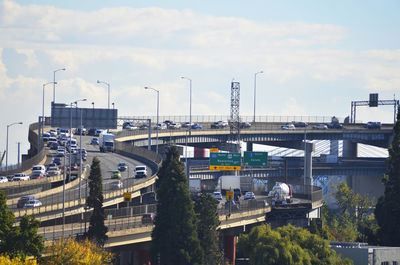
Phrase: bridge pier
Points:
(350, 149)
(230, 249)
(334, 147)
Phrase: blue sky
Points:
(317, 56)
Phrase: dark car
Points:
(57, 161)
(245, 125)
(94, 141)
(92, 131)
(298, 124)
(197, 126)
(373, 125)
(168, 122)
(335, 125)
(143, 126)
(24, 199)
(148, 218)
(122, 166)
(53, 145)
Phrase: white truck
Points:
(281, 193)
(194, 185)
(106, 142)
(238, 184)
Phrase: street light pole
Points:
(158, 104)
(190, 104)
(54, 83)
(255, 85)
(8, 126)
(41, 133)
(108, 85)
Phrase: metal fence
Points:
(243, 118)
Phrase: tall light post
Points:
(108, 85)
(158, 105)
(80, 148)
(255, 86)
(8, 126)
(54, 83)
(44, 85)
(70, 149)
(190, 104)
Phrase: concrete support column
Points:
(350, 149)
(334, 147)
(230, 249)
(310, 147)
(249, 146)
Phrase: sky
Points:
(316, 57)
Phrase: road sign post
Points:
(225, 161)
(255, 159)
(229, 195)
(127, 197)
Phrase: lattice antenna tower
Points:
(235, 118)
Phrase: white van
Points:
(141, 171)
(39, 169)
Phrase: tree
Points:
(206, 209)
(7, 231)
(69, 251)
(18, 241)
(97, 229)
(174, 237)
(387, 209)
(28, 241)
(351, 221)
(286, 245)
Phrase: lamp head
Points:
(146, 87)
(98, 81)
(63, 69)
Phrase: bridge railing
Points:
(244, 118)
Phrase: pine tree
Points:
(174, 238)
(29, 242)
(387, 211)
(97, 230)
(206, 210)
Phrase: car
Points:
(3, 179)
(249, 195)
(219, 124)
(128, 124)
(24, 199)
(217, 195)
(160, 126)
(373, 125)
(115, 174)
(57, 161)
(134, 127)
(320, 127)
(74, 166)
(39, 169)
(143, 127)
(299, 124)
(141, 171)
(117, 184)
(94, 141)
(187, 124)
(53, 171)
(45, 136)
(92, 131)
(51, 140)
(197, 126)
(32, 203)
(37, 175)
(79, 130)
(288, 126)
(168, 122)
(334, 125)
(54, 145)
(20, 177)
(148, 218)
(53, 133)
(122, 167)
(175, 125)
(60, 153)
(245, 125)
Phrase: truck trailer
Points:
(106, 142)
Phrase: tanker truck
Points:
(281, 193)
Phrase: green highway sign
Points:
(255, 159)
(225, 161)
